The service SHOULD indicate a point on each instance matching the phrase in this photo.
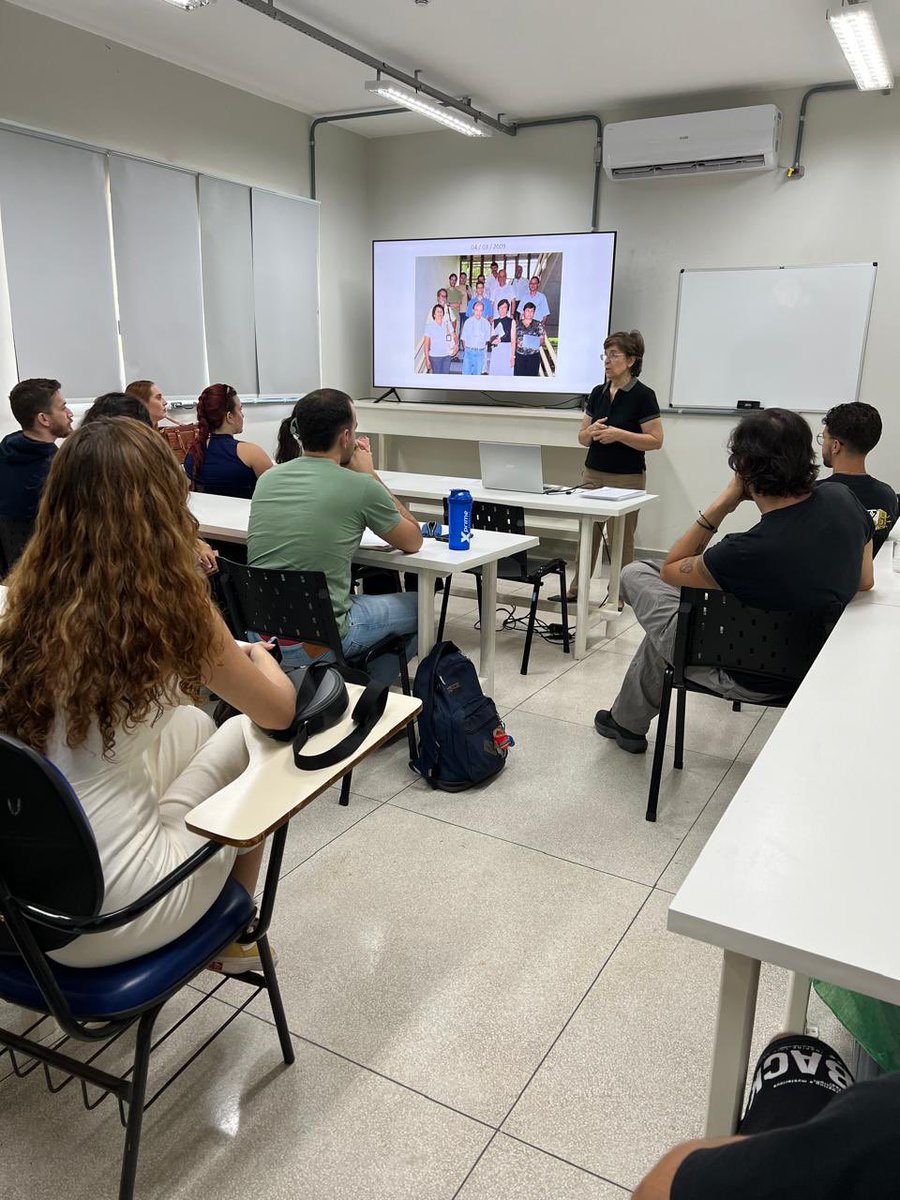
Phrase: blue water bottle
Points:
(459, 510)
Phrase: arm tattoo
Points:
(687, 565)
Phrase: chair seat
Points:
(128, 988)
(511, 570)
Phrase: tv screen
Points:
(492, 314)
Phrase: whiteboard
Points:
(790, 337)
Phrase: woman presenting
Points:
(621, 423)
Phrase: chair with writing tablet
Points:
(297, 605)
(716, 630)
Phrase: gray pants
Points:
(655, 605)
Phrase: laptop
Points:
(512, 468)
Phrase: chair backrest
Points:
(289, 604)
(499, 518)
(48, 856)
(716, 630)
(15, 533)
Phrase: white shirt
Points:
(520, 289)
(506, 292)
(490, 285)
(476, 332)
(541, 307)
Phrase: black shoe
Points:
(634, 743)
(557, 599)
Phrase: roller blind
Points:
(156, 238)
(58, 263)
(286, 292)
(227, 253)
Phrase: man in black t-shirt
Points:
(812, 549)
(850, 432)
(808, 1132)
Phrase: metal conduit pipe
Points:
(795, 171)
(352, 116)
(267, 9)
(598, 156)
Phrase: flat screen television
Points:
(536, 325)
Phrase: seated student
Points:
(216, 462)
(808, 1132)
(107, 688)
(309, 514)
(25, 457)
(850, 432)
(151, 397)
(812, 548)
(116, 404)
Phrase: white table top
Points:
(435, 487)
(226, 518)
(887, 580)
(802, 870)
(272, 790)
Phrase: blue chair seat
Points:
(128, 988)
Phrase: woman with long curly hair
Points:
(217, 462)
(108, 637)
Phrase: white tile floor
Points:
(484, 999)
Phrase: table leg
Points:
(488, 625)
(734, 1029)
(585, 533)
(425, 581)
(797, 1004)
(617, 545)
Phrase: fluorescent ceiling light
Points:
(418, 103)
(189, 5)
(857, 33)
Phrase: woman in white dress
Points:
(108, 636)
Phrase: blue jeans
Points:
(473, 361)
(371, 619)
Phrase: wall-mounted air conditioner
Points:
(731, 139)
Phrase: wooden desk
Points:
(587, 512)
(226, 519)
(272, 790)
(802, 868)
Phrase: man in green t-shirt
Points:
(454, 299)
(309, 515)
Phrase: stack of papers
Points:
(611, 493)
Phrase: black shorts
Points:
(795, 1078)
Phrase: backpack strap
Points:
(429, 679)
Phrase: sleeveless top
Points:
(222, 473)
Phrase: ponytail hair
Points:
(213, 406)
(631, 345)
(289, 445)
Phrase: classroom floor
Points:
(484, 997)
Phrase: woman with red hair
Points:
(217, 462)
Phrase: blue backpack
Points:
(462, 741)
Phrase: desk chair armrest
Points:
(106, 921)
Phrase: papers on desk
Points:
(611, 493)
(371, 541)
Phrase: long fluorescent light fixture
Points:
(858, 36)
(417, 103)
(189, 5)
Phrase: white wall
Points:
(61, 80)
(844, 210)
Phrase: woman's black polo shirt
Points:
(633, 406)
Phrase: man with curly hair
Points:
(811, 549)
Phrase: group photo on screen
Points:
(477, 315)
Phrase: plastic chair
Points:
(297, 605)
(509, 518)
(51, 891)
(716, 630)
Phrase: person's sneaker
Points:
(239, 957)
(634, 743)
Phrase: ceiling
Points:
(525, 58)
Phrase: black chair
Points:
(51, 892)
(15, 532)
(519, 568)
(297, 605)
(716, 630)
